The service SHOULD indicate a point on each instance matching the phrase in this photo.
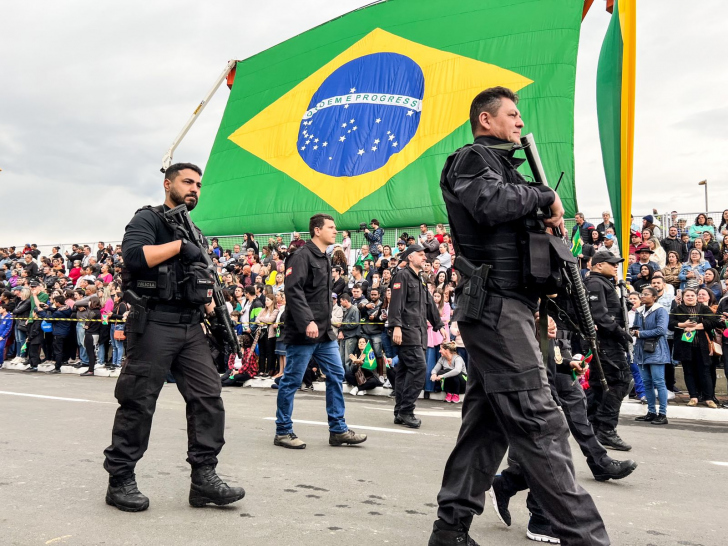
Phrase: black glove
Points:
(190, 252)
(624, 337)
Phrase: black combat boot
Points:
(445, 535)
(409, 420)
(610, 438)
(207, 487)
(124, 494)
(614, 470)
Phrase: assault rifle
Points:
(221, 325)
(573, 285)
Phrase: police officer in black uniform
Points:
(410, 309)
(563, 370)
(164, 332)
(614, 340)
(508, 401)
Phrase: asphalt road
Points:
(52, 483)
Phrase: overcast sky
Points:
(91, 96)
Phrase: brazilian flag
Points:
(576, 244)
(356, 117)
(370, 360)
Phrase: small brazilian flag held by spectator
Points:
(370, 361)
(688, 337)
(576, 247)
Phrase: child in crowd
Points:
(243, 369)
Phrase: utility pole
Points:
(705, 184)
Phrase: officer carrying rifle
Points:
(508, 401)
(170, 285)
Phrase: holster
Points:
(136, 321)
(473, 296)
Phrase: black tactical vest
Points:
(497, 246)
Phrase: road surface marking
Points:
(719, 463)
(440, 413)
(54, 397)
(322, 423)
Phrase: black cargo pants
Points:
(183, 349)
(605, 405)
(508, 403)
(410, 378)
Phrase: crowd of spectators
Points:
(677, 259)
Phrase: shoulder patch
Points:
(593, 297)
(396, 286)
(289, 271)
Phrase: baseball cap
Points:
(410, 249)
(333, 295)
(401, 242)
(607, 257)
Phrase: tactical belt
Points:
(173, 314)
(193, 317)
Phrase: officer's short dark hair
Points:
(318, 221)
(488, 101)
(250, 290)
(173, 170)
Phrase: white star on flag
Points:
(343, 124)
(351, 121)
(330, 158)
(349, 131)
(342, 139)
(410, 112)
(394, 144)
(374, 148)
(388, 132)
(353, 128)
(361, 152)
(376, 141)
(378, 120)
(303, 147)
(391, 137)
(315, 147)
(325, 144)
(315, 140)
(352, 90)
(346, 106)
(307, 142)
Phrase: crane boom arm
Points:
(167, 159)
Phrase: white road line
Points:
(719, 463)
(443, 413)
(54, 397)
(356, 427)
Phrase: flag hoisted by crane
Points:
(356, 117)
(615, 111)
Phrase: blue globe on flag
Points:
(366, 111)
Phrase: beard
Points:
(179, 199)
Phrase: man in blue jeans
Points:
(308, 335)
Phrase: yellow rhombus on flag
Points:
(451, 82)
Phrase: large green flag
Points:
(615, 110)
(356, 117)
